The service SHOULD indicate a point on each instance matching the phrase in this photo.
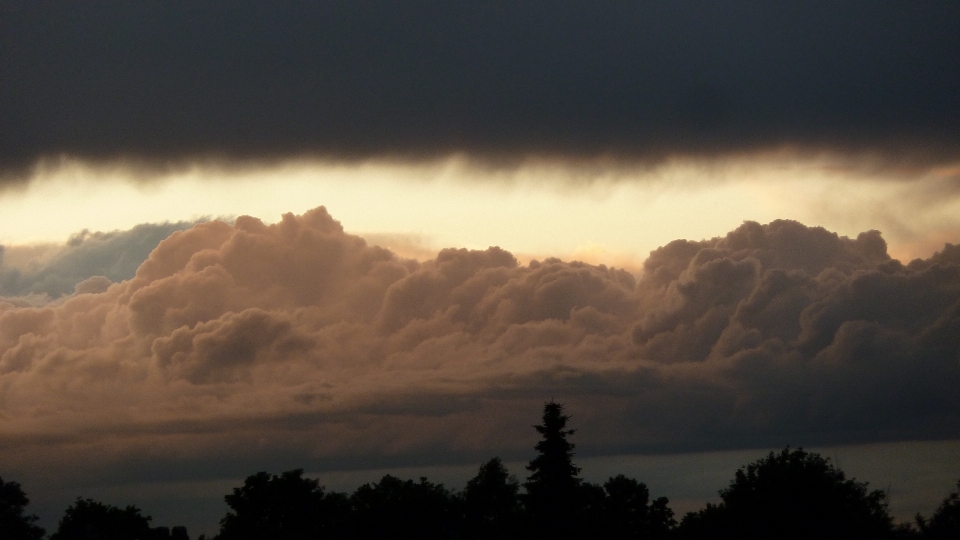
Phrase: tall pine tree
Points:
(553, 497)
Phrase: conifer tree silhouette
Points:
(553, 497)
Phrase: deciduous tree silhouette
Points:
(945, 522)
(491, 502)
(395, 508)
(629, 513)
(165, 533)
(287, 506)
(553, 499)
(14, 523)
(87, 519)
(792, 495)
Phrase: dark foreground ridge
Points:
(791, 494)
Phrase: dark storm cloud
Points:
(164, 82)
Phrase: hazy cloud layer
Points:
(166, 82)
(88, 262)
(304, 343)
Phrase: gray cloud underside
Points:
(163, 82)
(300, 340)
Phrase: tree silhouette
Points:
(589, 514)
(945, 522)
(628, 512)
(287, 506)
(554, 499)
(14, 524)
(87, 519)
(491, 502)
(165, 533)
(395, 508)
(792, 495)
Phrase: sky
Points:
(357, 237)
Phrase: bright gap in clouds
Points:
(597, 213)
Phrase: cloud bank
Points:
(235, 342)
(165, 83)
(88, 262)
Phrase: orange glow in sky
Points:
(598, 214)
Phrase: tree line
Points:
(791, 494)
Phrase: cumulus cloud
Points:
(86, 263)
(165, 83)
(301, 340)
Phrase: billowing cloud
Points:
(300, 340)
(88, 262)
(166, 83)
